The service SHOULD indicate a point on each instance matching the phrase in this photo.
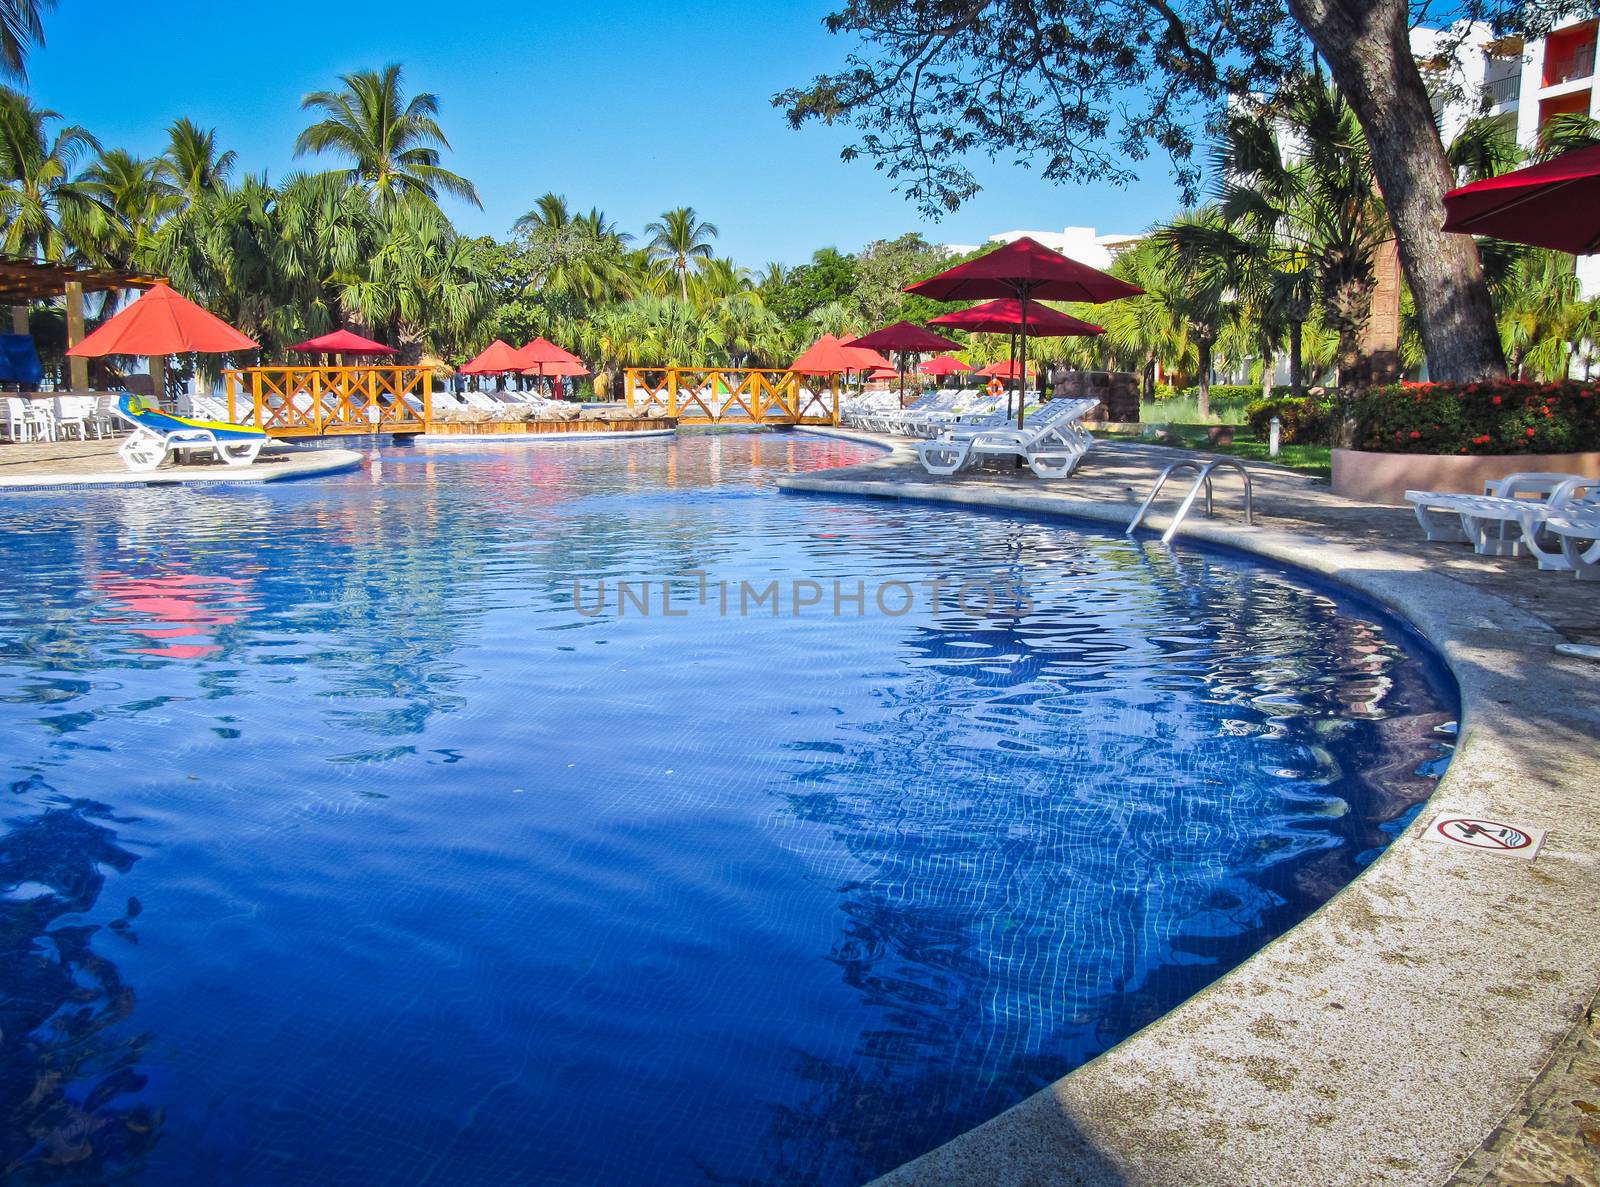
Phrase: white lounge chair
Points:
(1578, 530)
(1052, 443)
(157, 434)
(1511, 520)
(1440, 513)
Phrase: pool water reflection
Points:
(341, 848)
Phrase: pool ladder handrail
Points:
(1202, 479)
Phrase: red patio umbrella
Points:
(943, 364)
(1556, 204)
(495, 358)
(826, 356)
(905, 338)
(160, 323)
(1029, 271)
(342, 342)
(1005, 316)
(541, 352)
(1006, 370)
(544, 358)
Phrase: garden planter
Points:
(1385, 477)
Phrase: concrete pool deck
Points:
(1428, 1018)
(43, 465)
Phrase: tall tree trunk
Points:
(1354, 374)
(1366, 44)
(1204, 346)
(1269, 363)
(1297, 382)
(1149, 378)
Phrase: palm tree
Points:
(676, 239)
(1566, 133)
(1314, 211)
(192, 165)
(20, 27)
(1207, 261)
(45, 208)
(1148, 329)
(1537, 303)
(393, 144)
(138, 200)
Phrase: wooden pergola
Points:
(23, 281)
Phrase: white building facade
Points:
(1083, 244)
(1521, 83)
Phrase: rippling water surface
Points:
(341, 848)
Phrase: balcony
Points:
(1503, 92)
(1569, 55)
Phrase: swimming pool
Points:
(360, 830)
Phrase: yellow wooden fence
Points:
(729, 395)
(328, 401)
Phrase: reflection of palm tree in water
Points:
(66, 1074)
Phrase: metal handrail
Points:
(1202, 479)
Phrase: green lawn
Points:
(1309, 459)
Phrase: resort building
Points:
(1083, 244)
(1524, 83)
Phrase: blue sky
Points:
(632, 107)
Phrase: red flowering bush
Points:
(1495, 416)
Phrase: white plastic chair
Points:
(15, 423)
(72, 416)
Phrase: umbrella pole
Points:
(1011, 358)
(1022, 371)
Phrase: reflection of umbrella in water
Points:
(178, 606)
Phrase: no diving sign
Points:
(1489, 836)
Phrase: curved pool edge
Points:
(1384, 1038)
(289, 466)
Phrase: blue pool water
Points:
(342, 847)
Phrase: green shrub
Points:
(1236, 394)
(1306, 421)
(1498, 416)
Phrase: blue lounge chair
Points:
(157, 434)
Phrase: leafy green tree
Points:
(573, 260)
(393, 143)
(1082, 88)
(829, 278)
(678, 239)
(885, 267)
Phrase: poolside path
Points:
(1433, 1023)
(43, 464)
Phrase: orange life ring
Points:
(995, 386)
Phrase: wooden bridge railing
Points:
(728, 395)
(323, 401)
